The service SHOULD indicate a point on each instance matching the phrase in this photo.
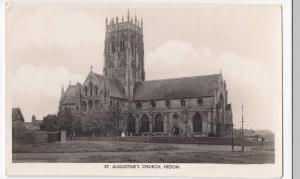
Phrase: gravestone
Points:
(63, 136)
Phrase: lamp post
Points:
(243, 150)
(232, 141)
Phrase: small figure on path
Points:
(123, 134)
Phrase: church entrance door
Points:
(130, 125)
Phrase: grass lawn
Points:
(121, 152)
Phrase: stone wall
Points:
(175, 140)
(29, 137)
(34, 137)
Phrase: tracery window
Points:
(197, 123)
(91, 88)
(96, 90)
(158, 123)
(113, 48)
(131, 124)
(145, 123)
(122, 45)
(85, 91)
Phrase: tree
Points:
(50, 123)
(100, 124)
(76, 126)
(65, 119)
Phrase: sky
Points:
(48, 44)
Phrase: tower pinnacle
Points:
(128, 16)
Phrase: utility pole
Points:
(232, 141)
(243, 150)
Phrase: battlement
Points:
(116, 24)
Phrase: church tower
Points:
(124, 52)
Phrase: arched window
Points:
(200, 101)
(182, 102)
(91, 88)
(145, 123)
(77, 108)
(197, 123)
(122, 45)
(97, 104)
(96, 90)
(111, 103)
(153, 104)
(158, 123)
(85, 91)
(138, 105)
(84, 106)
(131, 124)
(168, 103)
(91, 104)
(118, 104)
(113, 48)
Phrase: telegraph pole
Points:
(232, 141)
(243, 128)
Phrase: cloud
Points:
(246, 79)
(36, 89)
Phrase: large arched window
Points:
(90, 104)
(91, 88)
(96, 90)
(145, 123)
(131, 124)
(197, 123)
(113, 48)
(122, 45)
(84, 106)
(85, 91)
(158, 123)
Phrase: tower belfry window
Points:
(113, 48)
(122, 45)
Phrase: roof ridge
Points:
(177, 78)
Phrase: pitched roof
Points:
(30, 126)
(177, 87)
(114, 86)
(72, 94)
(17, 115)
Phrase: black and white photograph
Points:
(137, 87)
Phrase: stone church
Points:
(191, 106)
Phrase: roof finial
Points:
(62, 90)
(91, 67)
(128, 16)
(220, 71)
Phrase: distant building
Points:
(18, 120)
(17, 115)
(194, 106)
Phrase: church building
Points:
(194, 106)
